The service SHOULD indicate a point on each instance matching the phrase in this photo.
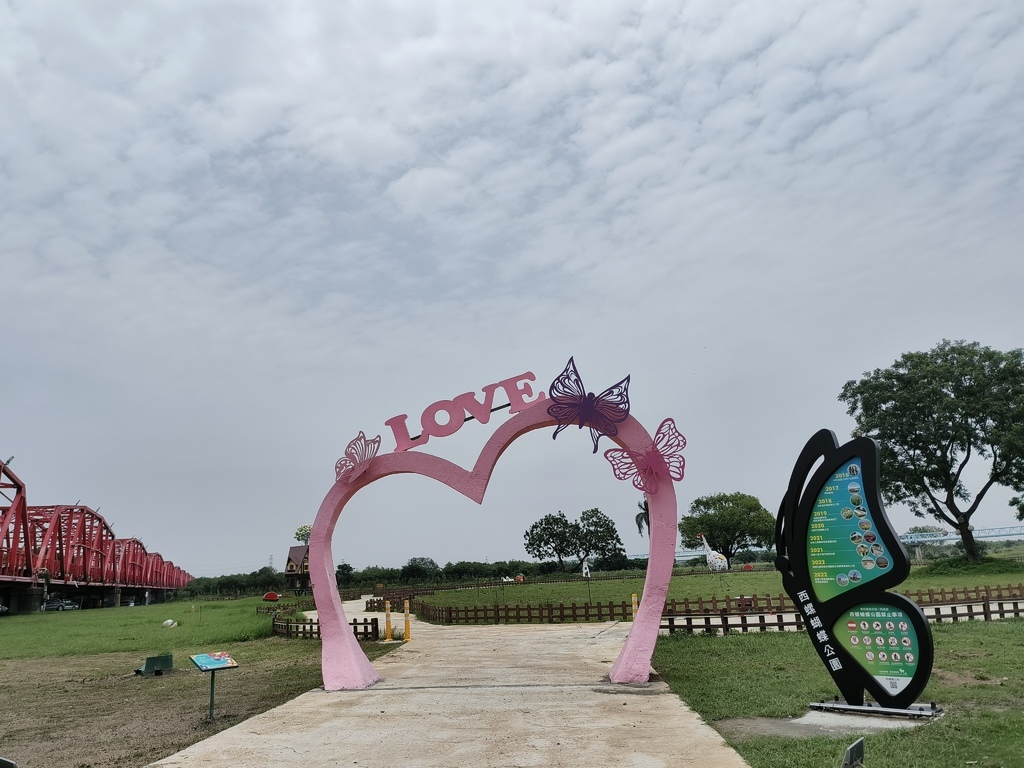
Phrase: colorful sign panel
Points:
(844, 549)
(211, 662)
(839, 555)
(882, 640)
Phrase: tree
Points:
(643, 517)
(303, 532)
(932, 413)
(343, 574)
(599, 539)
(593, 535)
(926, 529)
(419, 570)
(729, 521)
(552, 536)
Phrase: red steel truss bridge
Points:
(71, 550)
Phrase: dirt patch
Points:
(959, 680)
(94, 712)
(813, 723)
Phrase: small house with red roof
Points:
(296, 570)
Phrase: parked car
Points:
(3, 609)
(59, 604)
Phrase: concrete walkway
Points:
(480, 696)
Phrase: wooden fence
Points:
(714, 623)
(986, 610)
(286, 609)
(707, 623)
(720, 623)
(365, 629)
(699, 608)
(967, 594)
(376, 604)
(782, 604)
(524, 614)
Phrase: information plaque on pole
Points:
(838, 555)
(213, 663)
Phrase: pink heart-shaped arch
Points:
(345, 666)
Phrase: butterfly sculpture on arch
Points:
(572, 404)
(358, 454)
(663, 460)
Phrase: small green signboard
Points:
(212, 662)
(882, 640)
(209, 662)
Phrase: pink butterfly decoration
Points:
(662, 460)
(357, 458)
(572, 404)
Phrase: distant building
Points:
(296, 570)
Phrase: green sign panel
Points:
(881, 639)
(844, 548)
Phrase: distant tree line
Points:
(423, 570)
(266, 579)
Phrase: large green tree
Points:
(552, 536)
(593, 535)
(420, 569)
(729, 521)
(932, 414)
(599, 538)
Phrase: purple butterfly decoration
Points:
(572, 404)
(662, 460)
(357, 458)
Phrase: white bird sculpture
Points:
(716, 560)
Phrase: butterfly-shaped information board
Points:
(838, 555)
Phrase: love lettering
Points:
(517, 390)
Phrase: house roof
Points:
(298, 554)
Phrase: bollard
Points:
(408, 627)
(636, 605)
(387, 621)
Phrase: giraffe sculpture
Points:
(716, 560)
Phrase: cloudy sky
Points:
(234, 234)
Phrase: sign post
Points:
(211, 662)
(839, 556)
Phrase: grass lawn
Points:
(704, 585)
(112, 630)
(978, 678)
(70, 698)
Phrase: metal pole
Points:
(213, 675)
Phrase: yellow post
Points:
(387, 621)
(636, 605)
(408, 626)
